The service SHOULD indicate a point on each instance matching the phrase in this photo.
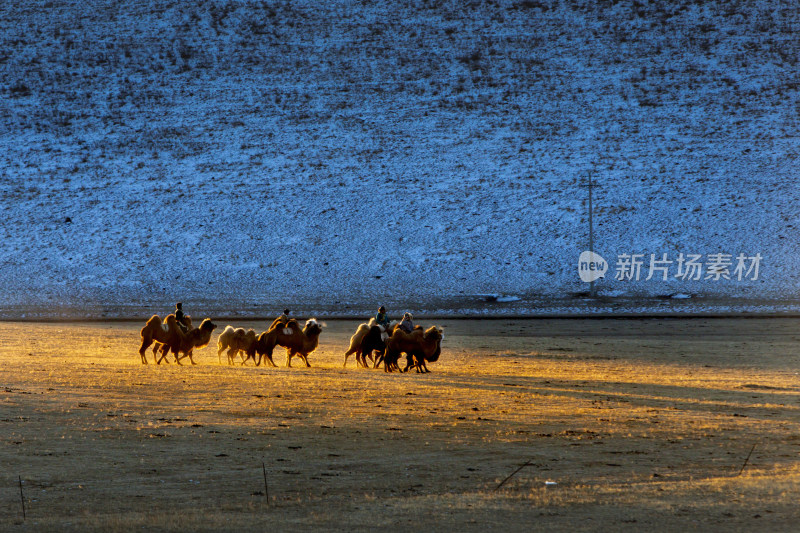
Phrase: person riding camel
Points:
(180, 317)
(407, 325)
(382, 319)
(282, 319)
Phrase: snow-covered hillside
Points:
(332, 156)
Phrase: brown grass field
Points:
(641, 425)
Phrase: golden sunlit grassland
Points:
(642, 424)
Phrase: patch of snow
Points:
(242, 157)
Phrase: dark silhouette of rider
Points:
(382, 319)
(407, 324)
(180, 317)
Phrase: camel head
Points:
(312, 327)
(434, 334)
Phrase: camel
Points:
(381, 357)
(237, 341)
(290, 336)
(377, 340)
(157, 333)
(418, 360)
(355, 342)
(419, 346)
(186, 342)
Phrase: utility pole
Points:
(591, 232)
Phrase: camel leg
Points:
(191, 357)
(232, 355)
(145, 344)
(304, 357)
(266, 359)
(164, 349)
(409, 362)
(378, 357)
(395, 362)
(156, 347)
(266, 355)
(387, 361)
(347, 354)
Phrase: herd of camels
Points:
(379, 344)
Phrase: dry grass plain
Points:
(642, 425)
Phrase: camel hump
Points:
(278, 323)
(291, 328)
(152, 323)
(401, 334)
(361, 331)
(207, 325)
(171, 325)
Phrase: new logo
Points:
(591, 266)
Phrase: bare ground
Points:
(641, 424)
